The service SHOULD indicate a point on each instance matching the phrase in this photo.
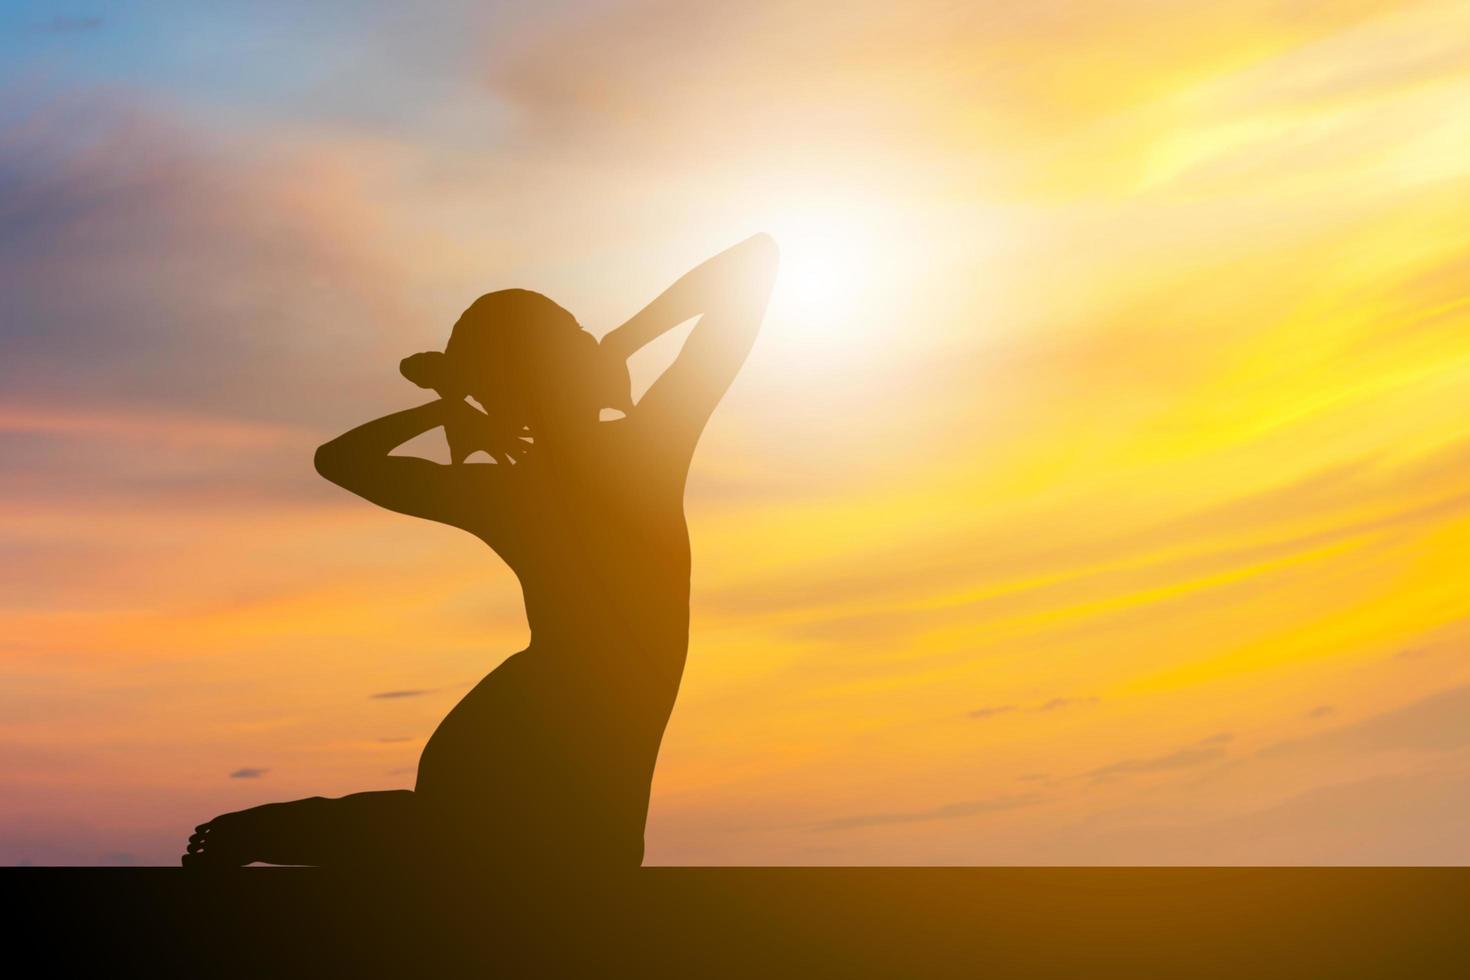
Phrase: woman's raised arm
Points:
(729, 294)
(358, 461)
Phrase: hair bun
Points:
(428, 369)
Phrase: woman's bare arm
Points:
(729, 294)
(359, 461)
(696, 292)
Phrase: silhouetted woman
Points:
(549, 759)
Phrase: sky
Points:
(1098, 491)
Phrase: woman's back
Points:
(560, 741)
(597, 537)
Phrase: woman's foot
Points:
(358, 830)
(276, 833)
(224, 842)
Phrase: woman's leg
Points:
(361, 830)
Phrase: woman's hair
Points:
(520, 340)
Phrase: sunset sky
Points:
(1098, 491)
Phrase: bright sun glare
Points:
(829, 261)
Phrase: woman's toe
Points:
(207, 846)
(219, 842)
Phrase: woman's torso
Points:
(561, 739)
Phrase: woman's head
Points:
(521, 355)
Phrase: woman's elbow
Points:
(330, 462)
(762, 253)
(753, 264)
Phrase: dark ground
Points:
(749, 922)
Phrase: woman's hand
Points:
(469, 430)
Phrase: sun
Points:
(829, 265)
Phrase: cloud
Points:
(1438, 723)
(248, 773)
(1057, 703)
(408, 693)
(395, 738)
(1400, 819)
(1332, 486)
(1052, 704)
(71, 24)
(949, 811)
(1409, 816)
(171, 313)
(1052, 570)
(863, 630)
(1452, 638)
(1321, 711)
(1201, 753)
(1374, 62)
(145, 270)
(665, 78)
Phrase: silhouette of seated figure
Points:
(548, 760)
